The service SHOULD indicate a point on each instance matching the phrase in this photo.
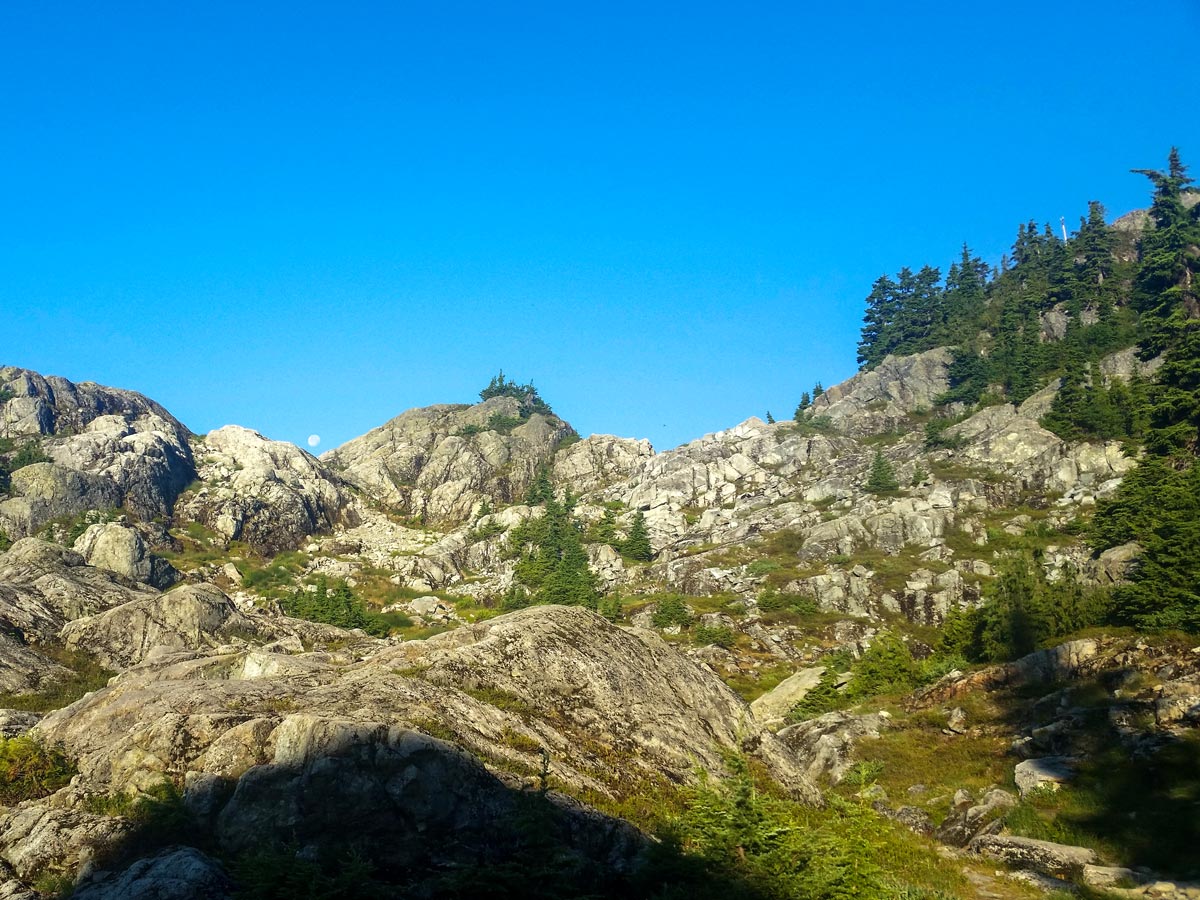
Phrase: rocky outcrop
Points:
(826, 743)
(120, 548)
(108, 447)
(188, 618)
(178, 873)
(772, 707)
(1002, 438)
(600, 460)
(270, 494)
(355, 745)
(969, 818)
(882, 399)
(42, 586)
(1055, 860)
(440, 462)
(45, 491)
(628, 691)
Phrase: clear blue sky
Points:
(307, 218)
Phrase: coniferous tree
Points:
(965, 296)
(1167, 287)
(882, 477)
(637, 544)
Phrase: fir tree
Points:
(1167, 287)
(637, 544)
(882, 478)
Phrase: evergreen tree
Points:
(637, 544)
(965, 296)
(883, 477)
(552, 565)
(883, 308)
(541, 489)
(1167, 287)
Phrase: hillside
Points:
(944, 619)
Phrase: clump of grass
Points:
(86, 675)
(29, 769)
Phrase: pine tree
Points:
(1167, 287)
(637, 544)
(965, 296)
(883, 477)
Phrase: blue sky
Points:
(307, 218)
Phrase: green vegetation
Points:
(882, 478)
(637, 543)
(670, 610)
(781, 849)
(1022, 611)
(526, 394)
(887, 667)
(993, 316)
(552, 565)
(86, 675)
(13, 457)
(718, 635)
(29, 770)
(337, 605)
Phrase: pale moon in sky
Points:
(313, 440)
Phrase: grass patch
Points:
(29, 769)
(87, 675)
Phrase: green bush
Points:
(29, 770)
(720, 635)
(671, 610)
(772, 601)
(936, 437)
(337, 605)
(882, 478)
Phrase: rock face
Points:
(826, 743)
(772, 707)
(600, 460)
(270, 494)
(879, 400)
(109, 447)
(968, 819)
(180, 873)
(554, 686)
(42, 586)
(188, 618)
(627, 690)
(441, 462)
(122, 549)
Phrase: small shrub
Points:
(29, 770)
(936, 437)
(671, 610)
(773, 601)
(720, 635)
(763, 567)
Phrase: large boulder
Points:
(177, 873)
(121, 549)
(773, 706)
(627, 690)
(826, 743)
(1046, 857)
(188, 618)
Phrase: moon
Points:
(313, 440)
